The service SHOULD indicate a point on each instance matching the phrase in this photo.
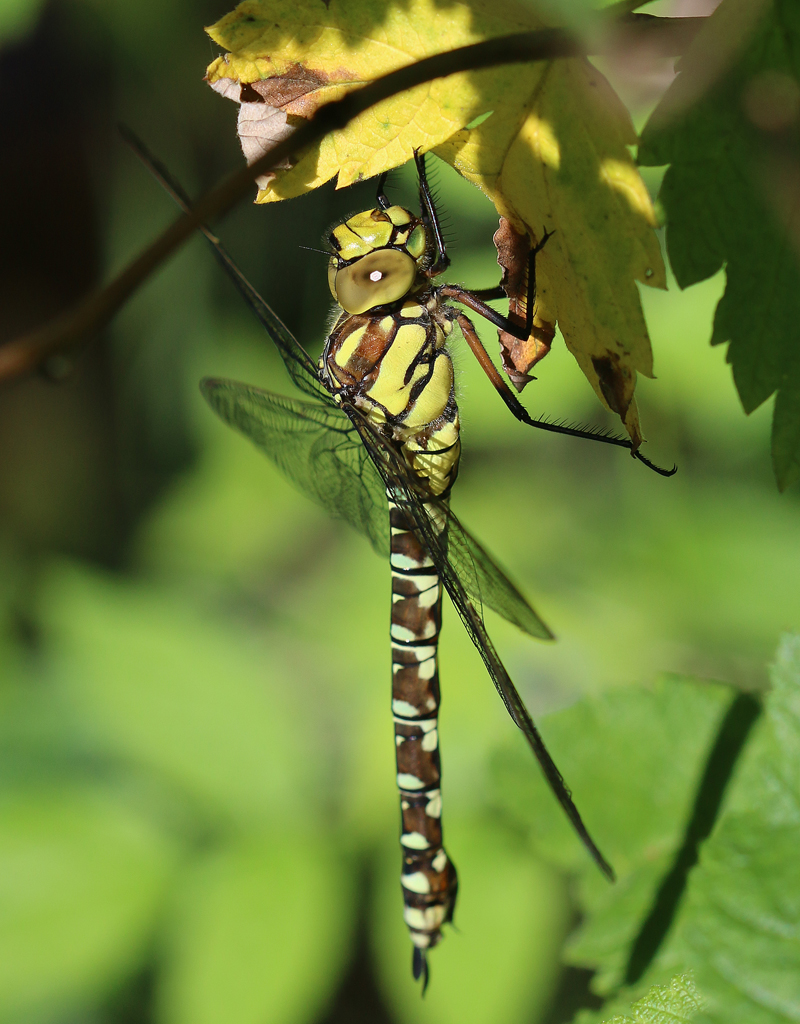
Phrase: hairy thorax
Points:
(395, 368)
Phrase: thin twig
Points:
(90, 314)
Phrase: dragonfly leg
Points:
(521, 413)
(476, 301)
(441, 260)
(498, 382)
(380, 195)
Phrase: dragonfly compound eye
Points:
(380, 277)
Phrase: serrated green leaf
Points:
(729, 200)
(739, 927)
(676, 1003)
(633, 759)
(259, 933)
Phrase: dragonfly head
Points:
(377, 258)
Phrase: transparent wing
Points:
(338, 460)
(295, 358)
(315, 446)
(471, 576)
(341, 462)
(485, 583)
(297, 361)
(481, 578)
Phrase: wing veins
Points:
(316, 447)
(405, 491)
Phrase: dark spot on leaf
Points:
(296, 82)
(615, 382)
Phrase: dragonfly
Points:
(378, 446)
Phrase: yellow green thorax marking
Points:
(392, 362)
(370, 230)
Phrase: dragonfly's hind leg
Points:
(521, 413)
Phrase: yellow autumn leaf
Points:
(295, 55)
(551, 154)
(561, 164)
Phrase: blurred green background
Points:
(197, 814)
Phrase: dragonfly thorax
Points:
(396, 369)
(379, 257)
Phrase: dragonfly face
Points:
(378, 257)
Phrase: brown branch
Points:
(95, 310)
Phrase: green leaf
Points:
(676, 1003)
(729, 200)
(81, 879)
(739, 928)
(632, 758)
(259, 933)
(737, 925)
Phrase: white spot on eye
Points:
(439, 862)
(376, 275)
